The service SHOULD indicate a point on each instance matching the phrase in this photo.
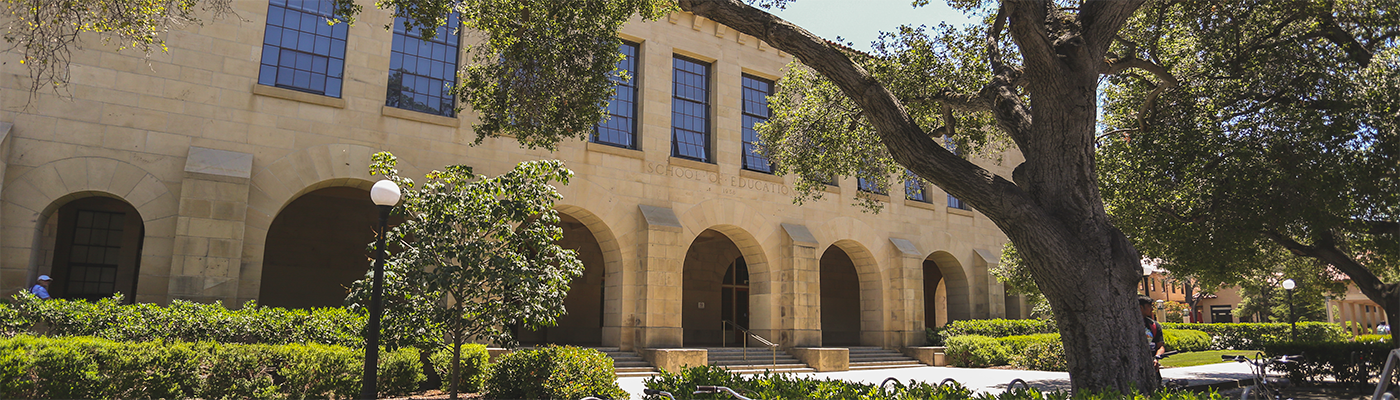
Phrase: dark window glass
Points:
(300, 51)
(620, 129)
(954, 202)
(756, 91)
(914, 188)
(96, 252)
(690, 109)
(423, 72)
(866, 185)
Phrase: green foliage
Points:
(1044, 355)
(1019, 343)
(933, 336)
(1372, 339)
(998, 327)
(788, 386)
(475, 366)
(181, 321)
(975, 351)
(1184, 340)
(87, 367)
(554, 372)
(1342, 362)
(1255, 335)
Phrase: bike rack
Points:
(887, 380)
(1385, 376)
(1012, 385)
(946, 380)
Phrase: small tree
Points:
(478, 254)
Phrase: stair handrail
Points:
(724, 340)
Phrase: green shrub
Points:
(554, 372)
(475, 365)
(1249, 336)
(1044, 355)
(401, 371)
(1372, 338)
(1019, 343)
(1342, 362)
(975, 351)
(998, 327)
(933, 336)
(1184, 340)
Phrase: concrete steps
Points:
(628, 363)
(758, 360)
(866, 358)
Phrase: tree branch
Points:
(1101, 20)
(1335, 34)
(1325, 250)
(1165, 81)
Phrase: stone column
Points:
(904, 279)
(798, 287)
(990, 295)
(659, 286)
(208, 249)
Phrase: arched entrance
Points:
(91, 247)
(949, 298)
(840, 299)
(316, 247)
(582, 324)
(716, 289)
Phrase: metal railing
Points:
(747, 334)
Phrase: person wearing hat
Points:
(1155, 341)
(41, 289)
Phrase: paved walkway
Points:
(995, 380)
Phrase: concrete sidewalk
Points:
(995, 380)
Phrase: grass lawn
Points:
(1202, 357)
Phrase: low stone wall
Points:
(674, 360)
(823, 359)
(929, 355)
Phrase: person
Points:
(1155, 341)
(1383, 328)
(41, 288)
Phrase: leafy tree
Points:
(476, 255)
(1266, 137)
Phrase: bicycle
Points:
(662, 393)
(1262, 387)
(719, 389)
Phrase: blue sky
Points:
(861, 21)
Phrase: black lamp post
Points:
(1288, 285)
(385, 195)
(1146, 272)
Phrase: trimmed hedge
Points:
(788, 386)
(1247, 336)
(180, 321)
(476, 363)
(997, 327)
(1344, 362)
(1185, 340)
(975, 351)
(87, 367)
(553, 372)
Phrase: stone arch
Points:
(872, 294)
(277, 184)
(31, 198)
(613, 271)
(955, 281)
(749, 230)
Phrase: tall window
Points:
(914, 188)
(756, 91)
(865, 185)
(953, 202)
(300, 51)
(621, 127)
(690, 109)
(423, 72)
(96, 251)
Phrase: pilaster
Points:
(208, 248)
(662, 257)
(799, 290)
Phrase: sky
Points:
(860, 21)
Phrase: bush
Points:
(1184, 340)
(1249, 336)
(998, 327)
(1019, 343)
(933, 336)
(1372, 338)
(1045, 355)
(87, 367)
(975, 351)
(1344, 362)
(181, 321)
(554, 372)
(475, 364)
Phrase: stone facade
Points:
(212, 163)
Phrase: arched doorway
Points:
(935, 300)
(582, 323)
(947, 294)
(91, 247)
(840, 299)
(715, 289)
(316, 247)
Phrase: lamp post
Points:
(1288, 285)
(385, 195)
(1146, 272)
(1161, 306)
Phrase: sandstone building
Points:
(234, 168)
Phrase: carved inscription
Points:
(716, 178)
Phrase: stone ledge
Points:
(823, 359)
(959, 211)
(755, 175)
(420, 116)
(692, 164)
(675, 360)
(293, 95)
(920, 204)
(614, 150)
(930, 355)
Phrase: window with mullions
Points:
(914, 188)
(690, 109)
(300, 51)
(423, 72)
(954, 202)
(865, 185)
(96, 252)
(756, 91)
(620, 129)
